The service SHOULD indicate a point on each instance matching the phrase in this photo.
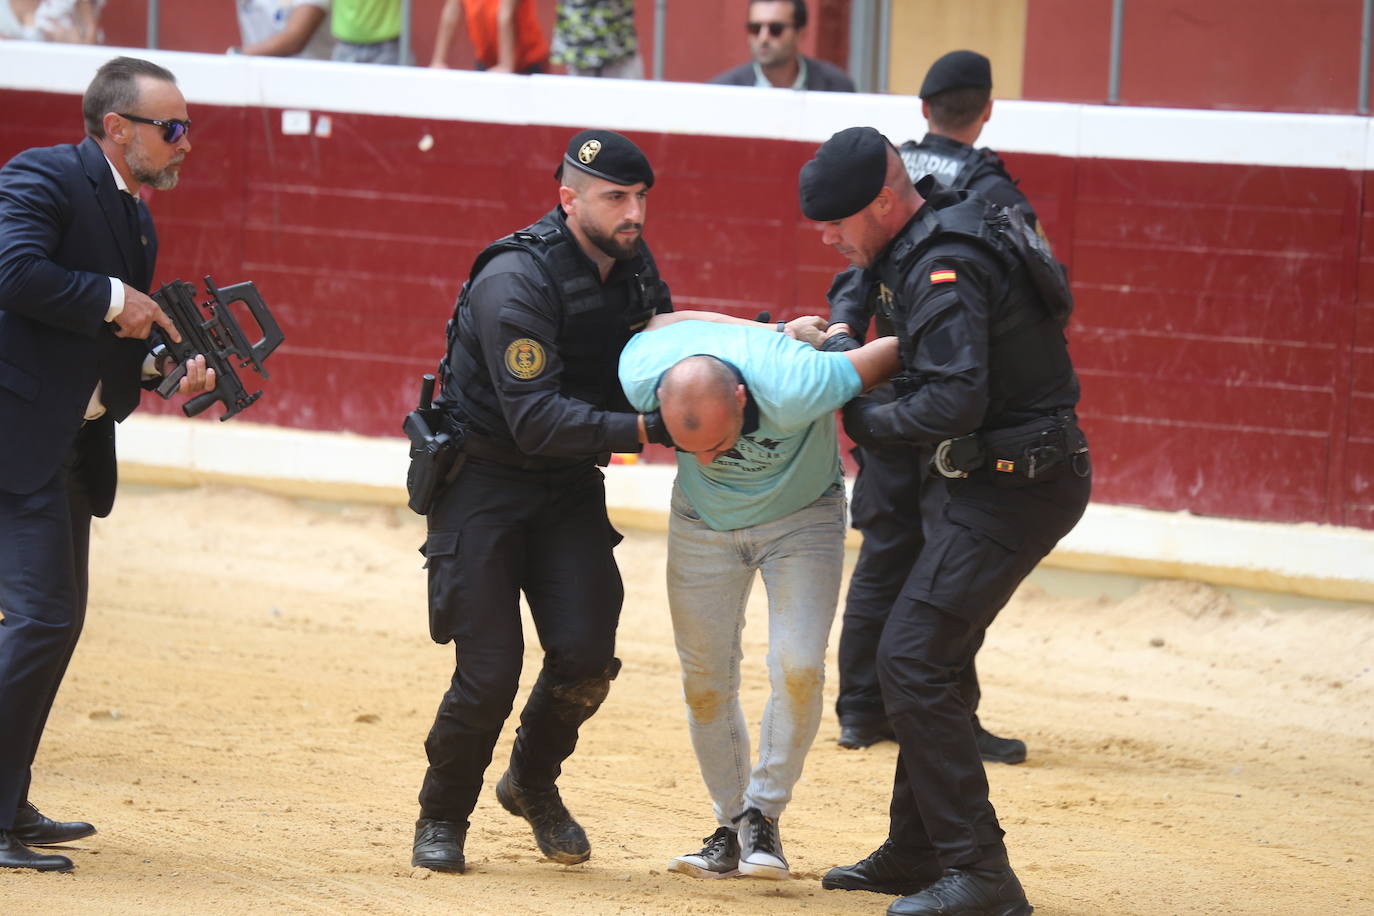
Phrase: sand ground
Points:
(244, 717)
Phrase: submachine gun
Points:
(219, 338)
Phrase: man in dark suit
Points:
(774, 30)
(77, 250)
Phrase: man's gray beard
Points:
(163, 180)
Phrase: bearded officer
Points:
(892, 491)
(529, 387)
(991, 387)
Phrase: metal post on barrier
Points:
(1365, 26)
(660, 33)
(152, 23)
(403, 56)
(1114, 73)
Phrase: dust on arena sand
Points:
(244, 722)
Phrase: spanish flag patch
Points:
(942, 276)
(1005, 466)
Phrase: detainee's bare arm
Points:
(876, 361)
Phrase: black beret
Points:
(957, 70)
(846, 175)
(606, 154)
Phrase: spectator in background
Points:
(775, 28)
(367, 31)
(505, 35)
(597, 38)
(73, 21)
(285, 28)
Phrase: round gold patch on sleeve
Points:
(525, 358)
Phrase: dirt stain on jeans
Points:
(802, 686)
(704, 705)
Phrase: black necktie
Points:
(133, 214)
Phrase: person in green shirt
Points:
(367, 31)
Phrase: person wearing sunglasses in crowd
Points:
(77, 334)
(775, 28)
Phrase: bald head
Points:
(703, 406)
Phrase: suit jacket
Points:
(64, 231)
(821, 75)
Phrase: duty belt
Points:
(1037, 451)
(484, 449)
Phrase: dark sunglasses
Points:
(172, 131)
(774, 28)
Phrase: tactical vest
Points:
(590, 334)
(959, 167)
(1029, 371)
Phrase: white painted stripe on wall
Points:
(245, 450)
(1091, 131)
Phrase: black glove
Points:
(655, 430)
(856, 420)
(839, 343)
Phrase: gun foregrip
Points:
(200, 402)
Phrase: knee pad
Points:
(588, 693)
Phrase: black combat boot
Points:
(559, 836)
(999, 750)
(862, 731)
(439, 845)
(967, 891)
(886, 870)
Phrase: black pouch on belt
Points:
(1032, 453)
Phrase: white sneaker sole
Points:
(767, 872)
(696, 871)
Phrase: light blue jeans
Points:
(710, 574)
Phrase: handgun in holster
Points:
(436, 453)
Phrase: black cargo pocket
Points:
(972, 565)
(445, 582)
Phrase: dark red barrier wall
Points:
(1225, 330)
(1269, 55)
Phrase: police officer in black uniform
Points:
(990, 386)
(529, 390)
(892, 491)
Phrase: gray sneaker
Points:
(760, 847)
(719, 858)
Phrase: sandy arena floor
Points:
(244, 718)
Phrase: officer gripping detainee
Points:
(990, 386)
(892, 491)
(529, 395)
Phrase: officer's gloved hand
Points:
(655, 430)
(857, 415)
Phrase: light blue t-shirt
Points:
(793, 457)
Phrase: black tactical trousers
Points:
(986, 541)
(497, 532)
(893, 494)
